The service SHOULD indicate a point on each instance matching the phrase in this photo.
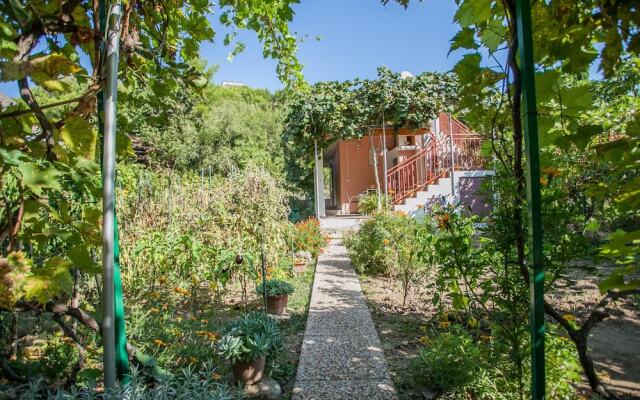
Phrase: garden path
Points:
(341, 356)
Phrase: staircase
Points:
(425, 177)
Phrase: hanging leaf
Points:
(39, 177)
(50, 281)
(80, 136)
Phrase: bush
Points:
(309, 237)
(275, 287)
(186, 385)
(452, 360)
(249, 337)
(368, 204)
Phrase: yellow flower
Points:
(193, 360)
(385, 242)
(159, 343)
(473, 323)
(424, 340)
(213, 285)
(444, 324)
(216, 376)
(569, 317)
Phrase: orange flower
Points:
(443, 221)
(159, 343)
(544, 181)
(385, 242)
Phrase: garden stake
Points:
(264, 275)
(523, 25)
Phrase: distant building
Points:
(232, 84)
(419, 168)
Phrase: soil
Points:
(614, 343)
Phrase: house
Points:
(418, 172)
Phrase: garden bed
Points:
(614, 343)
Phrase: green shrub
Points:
(249, 337)
(368, 204)
(186, 385)
(452, 360)
(276, 287)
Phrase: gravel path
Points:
(341, 356)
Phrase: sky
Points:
(356, 37)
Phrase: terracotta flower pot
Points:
(249, 372)
(277, 304)
(300, 267)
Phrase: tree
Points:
(48, 171)
(568, 38)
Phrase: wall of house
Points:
(355, 174)
(471, 197)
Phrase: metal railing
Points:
(433, 161)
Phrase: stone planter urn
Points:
(277, 304)
(249, 372)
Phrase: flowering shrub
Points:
(394, 244)
(309, 237)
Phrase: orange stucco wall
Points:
(355, 175)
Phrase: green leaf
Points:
(80, 136)
(38, 177)
(617, 281)
(464, 39)
(50, 281)
(12, 157)
(473, 12)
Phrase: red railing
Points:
(433, 161)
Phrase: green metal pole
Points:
(115, 353)
(525, 42)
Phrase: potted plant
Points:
(300, 265)
(246, 342)
(277, 295)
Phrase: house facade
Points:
(440, 163)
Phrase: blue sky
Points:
(357, 36)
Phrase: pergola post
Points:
(530, 123)
(318, 178)
(453, 167)
(385, 166)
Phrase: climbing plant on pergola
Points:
(330, 111)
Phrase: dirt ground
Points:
(614, 343)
